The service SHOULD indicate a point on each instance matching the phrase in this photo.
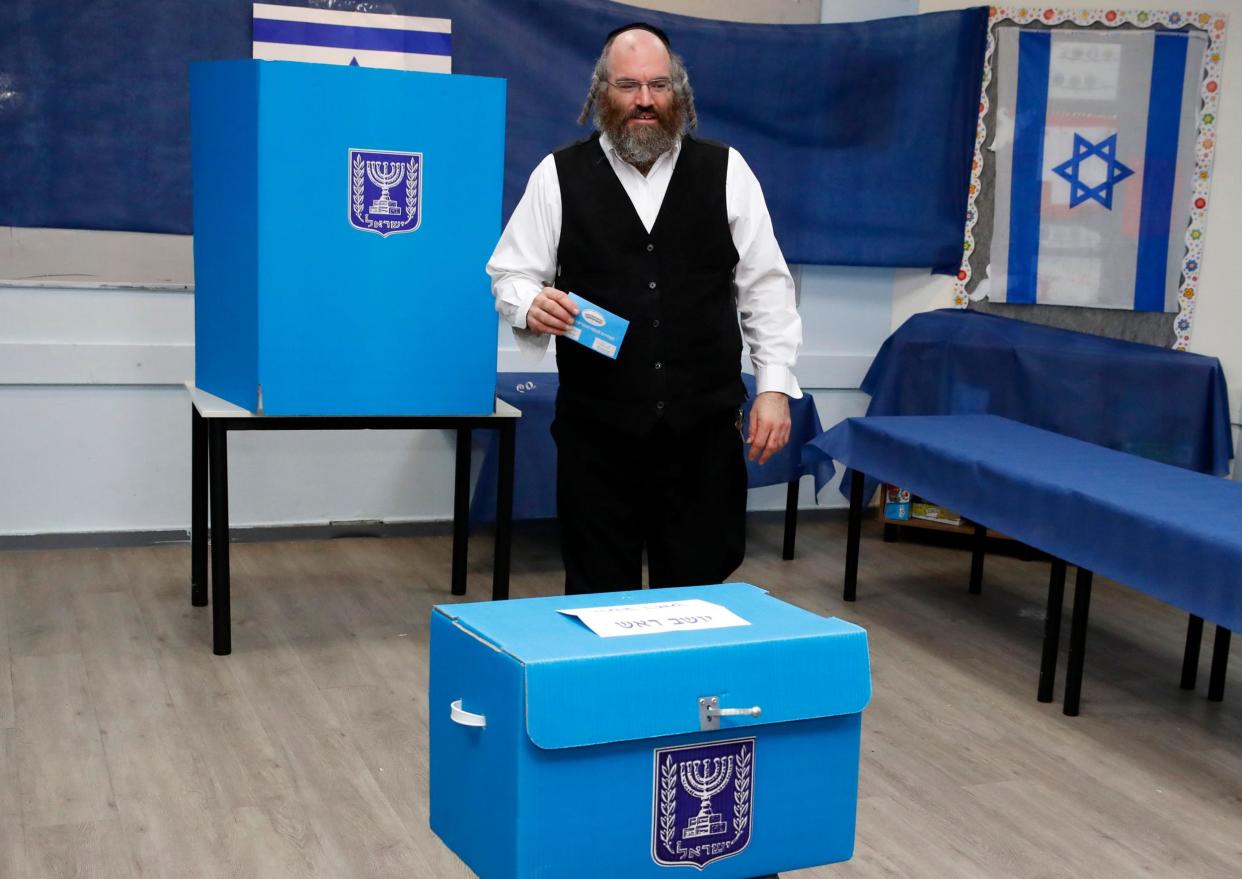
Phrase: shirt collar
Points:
(605, 144)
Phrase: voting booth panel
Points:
(559, 753)
(343, 217)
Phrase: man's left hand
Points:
(768, 430)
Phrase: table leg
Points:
(791, 519)
(461, 511)
(890, 532)
(1078, 642)
(977, 548)
(504, 510)
(1052, 631)
(218, 471)
(1190, 659)
(1220, 661)
(198, 508)
(853, 536)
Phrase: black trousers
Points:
(682, 497)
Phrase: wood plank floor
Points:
(128, 750)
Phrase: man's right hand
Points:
(552, 312)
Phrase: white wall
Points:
(1218, 314)
(113, 458)
(94, 429)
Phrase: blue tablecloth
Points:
(534, 459)
(1166, 531)
(1166, 405)
(534, 477)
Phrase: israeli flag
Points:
(1095, 156)
(363, 39)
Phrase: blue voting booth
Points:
(343, 217)
(558, 753)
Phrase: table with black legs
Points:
(1165, 531)
(212, 419)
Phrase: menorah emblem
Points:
(702, 803)
(704, 779)
(373, 177)
(385, 175)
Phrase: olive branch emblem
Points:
(411, 187)
(668, 802)
(741, 792)
(358, 187)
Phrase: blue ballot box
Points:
(343, 217)
(559, 753)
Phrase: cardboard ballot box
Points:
(343, 217)
(559, 753)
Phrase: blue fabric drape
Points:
(862, 134)
(1171, 406)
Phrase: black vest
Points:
(681, 357)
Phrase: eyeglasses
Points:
(661, 86)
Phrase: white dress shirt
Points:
(524, 261)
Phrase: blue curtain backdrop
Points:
(862, 134)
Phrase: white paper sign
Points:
(648, 619)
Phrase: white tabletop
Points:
(211, 406)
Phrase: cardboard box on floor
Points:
(560, 754)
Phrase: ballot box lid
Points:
(586, 689)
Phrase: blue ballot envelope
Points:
(621, 735)
(343, 217)
(597, 328)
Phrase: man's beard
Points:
(641, 145)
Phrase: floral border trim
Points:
(1215, 24)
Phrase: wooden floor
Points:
(128, 750)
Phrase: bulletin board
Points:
(972, 284)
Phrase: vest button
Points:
(650, 247)
(651, 285)
(659, 365)
(656, 324)
(660, 404)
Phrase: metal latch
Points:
(710, 712)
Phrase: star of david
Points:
(1114, 173)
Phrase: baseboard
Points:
(329, 531)
(251, 534)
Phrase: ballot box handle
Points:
(466, 718)
(710, 712)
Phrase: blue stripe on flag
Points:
(1027, 185)
(1164, 114)
(337, 36)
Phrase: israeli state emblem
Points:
(385, 191)
(702, 805)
